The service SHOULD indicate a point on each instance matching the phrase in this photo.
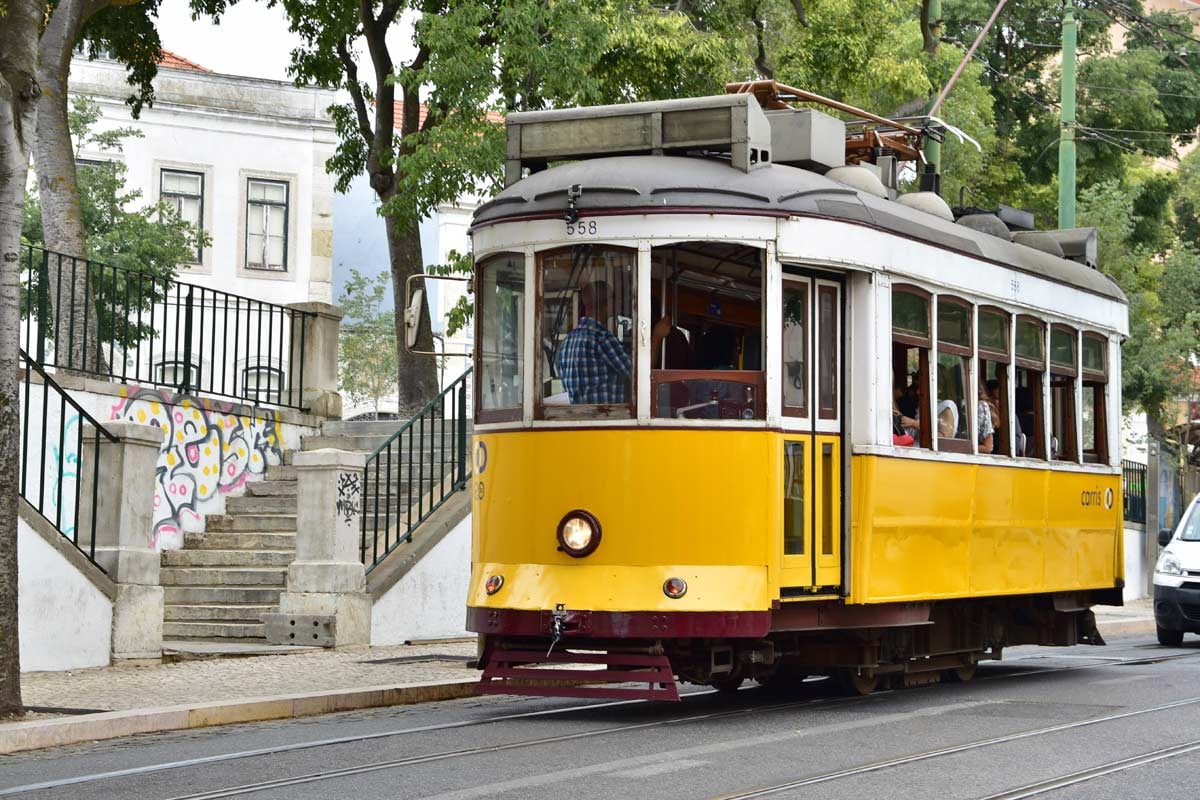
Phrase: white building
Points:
(243, 159)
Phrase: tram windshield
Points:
(707, 344)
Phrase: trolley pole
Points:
(1066, 141)
(933, 148)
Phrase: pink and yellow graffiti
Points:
(210, 448)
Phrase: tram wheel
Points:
(1168, 637)
(728, 684)
(858, 682)
(963, 674)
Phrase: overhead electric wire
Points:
(1147, 20)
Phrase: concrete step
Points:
(269, 504)
(261, 523)
(272, 488)
(223, 576)
(280, 472)
(222, 595)
(433, 439)
(209, 630)
(228, 558)
(239, 541)
(215, 613)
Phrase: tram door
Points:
(812, 337)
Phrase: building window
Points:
(266, 224)
(171, 373)
(184, 192)
(261, 382)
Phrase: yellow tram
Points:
(745, 410)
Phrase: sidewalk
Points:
(109, 702)
(90, 704)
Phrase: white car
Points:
(1177, 579)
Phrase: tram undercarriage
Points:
(896, 645)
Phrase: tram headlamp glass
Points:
(578, 533)
(675, 588)
(493, 584)
(1168, 564)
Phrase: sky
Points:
(251, 40)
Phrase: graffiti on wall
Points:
(349, 495)
(210, 448)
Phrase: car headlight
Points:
(1168, 564)
(578, 533)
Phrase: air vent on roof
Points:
(986, 223)
(807, 139)
(729, 123)
(929, 202)
(858, 177)
(1039, 240)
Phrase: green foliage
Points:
(457, 265)
(149, 240)
(367, 344)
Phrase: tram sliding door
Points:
(813, 334)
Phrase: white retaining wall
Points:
(430, 600)
(65, 621)
(1135, 563)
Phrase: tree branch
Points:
(360, 103)
(387, 14)
(801, 16)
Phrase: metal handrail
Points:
(1133, 490)
(421, 485)
(210, 336)
(68, 451)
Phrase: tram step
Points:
(521, 672)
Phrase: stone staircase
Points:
(223, 580)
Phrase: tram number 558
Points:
(584, 227)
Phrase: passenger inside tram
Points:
(709, 363)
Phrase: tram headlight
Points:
(493, 584)
(1168, 564)
(578, 533)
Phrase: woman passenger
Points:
(989, 416)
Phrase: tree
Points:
(19, 24)
(125, 29)
(367, 343)
(148, 240)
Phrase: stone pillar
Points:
(123, 487)
(315, 354)
(1154, 520)
(326, 602)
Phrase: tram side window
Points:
(994, 357)
(1095, 380)
(501, 331)
(706, 340)
(586, 333)
(954, 375)
(1064, 368)
(1028, 406)
(911, 345)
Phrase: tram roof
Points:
(644, 182)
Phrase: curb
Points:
(18, 736)
(1125, 627)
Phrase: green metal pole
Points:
(933, 149)
(1066, 142)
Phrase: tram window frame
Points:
(1096, 382)
(506, 413)
(582, 411)
(905, 339)
(1002, 358)
(962, 356)
(1063, 398)
(1033, 371)
(805, 326)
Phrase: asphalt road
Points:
(1121, 721)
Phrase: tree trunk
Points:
(417, 375)
(18, 93)
(76, 345)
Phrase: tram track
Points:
(1031, 790)
(466, 752)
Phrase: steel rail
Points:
(1083, 775)
(298, 746)
(767, 791)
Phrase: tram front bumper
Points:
(578, 624)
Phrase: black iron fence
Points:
(52, 465)
(1133, 482)
(137, 327)
(410, 475)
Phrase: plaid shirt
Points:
(593, 365)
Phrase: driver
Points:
(592, 362)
